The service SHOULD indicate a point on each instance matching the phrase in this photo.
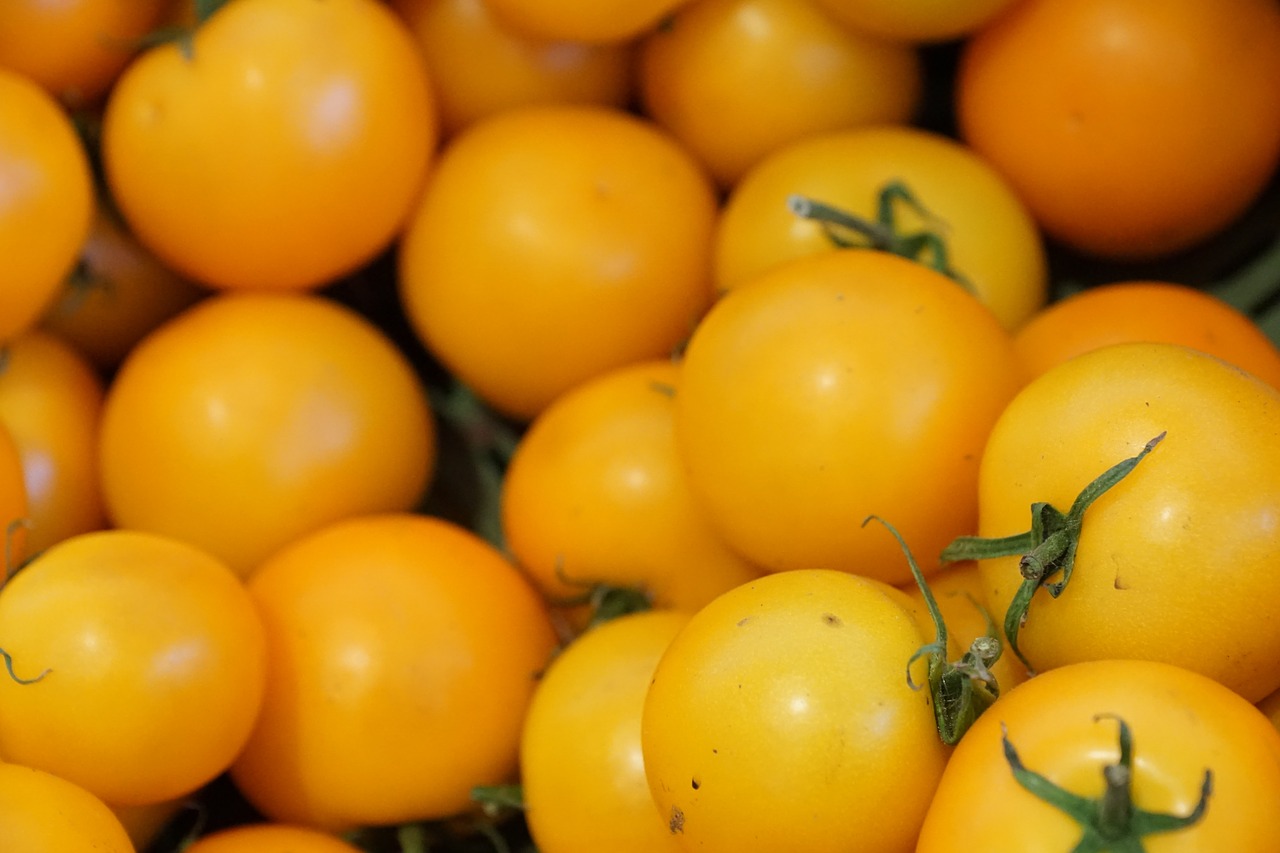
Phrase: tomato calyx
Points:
(961, 690)
(1110, 822)
(925, 247)
(1047, 550)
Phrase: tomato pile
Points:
(593, 426)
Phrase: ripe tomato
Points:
(596, 493)
(1176, 561)
(989, 235)
(834, 387)
(780, 718)
(1145, 311)
(1062, 725)
(50, 402)
(251, 419)
(46, 201)
(581, 764)
(285, 154)
(118, 293)
(40, 811)
(593, 21)
(917, 20)
(154, 664)
(75, 49)
(403, 651)
(14, 516)
(1131, 129)
(737, 79)
(480, 67)
(553, 243)
(269, 838)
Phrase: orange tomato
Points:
(736, 79)
(553, 243)
(480, 67)
(50, 402)
(834, 387)
(251, 419)
(594, 21)
(287, 155)
(13, 505)
(269, 838)
(989, 236)
(917, 20)
(1156, 311)
(118, 293)
(75, 49)
(40, 811)
(1131, 129)
(154, 662)
(596, 493)
(46, 201)
(403, 651)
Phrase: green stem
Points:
(1255, 285)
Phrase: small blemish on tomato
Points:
(676, 823)
(743, 621)
(833, 620)
(695, 783)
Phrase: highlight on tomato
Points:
(780, 718)
(51, 404)
(582, 766)
(1112, 755)
(1158, 311)
(837, 386)
(250, 419)
(911, 191)
(735, 80)
(480, 66)
(402, 652)
(596, 494)
(553, 243)
(1132, 130)
(47, 204)
(1127, 500)
(140, 664)
(281, 146)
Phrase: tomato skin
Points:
(1127, 311)
(493, 274)
(45, 205)
(50, 402)
(734, 80)
(1182, 724)
(120, 292)
(1174, 561)
(40, 811)
(917, 21)
(75, 50)
(135, 710)
(780, 718)
(281, 412)
(479, 66)
(269, 838)
(591, 21)
(403, 651)
(835, 387)
(990, 236)
(596, 493)
(581, 764)
(1097, 112)
(288, 155)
